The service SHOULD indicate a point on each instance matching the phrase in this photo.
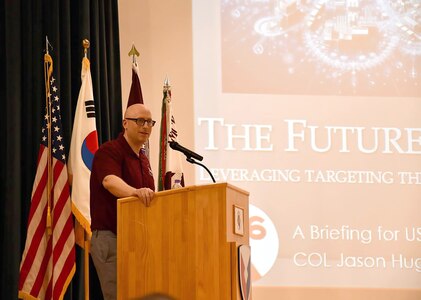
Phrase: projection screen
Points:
(314, 107)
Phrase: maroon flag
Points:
(48, 261)
(135, 95)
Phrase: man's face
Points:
(136, 132)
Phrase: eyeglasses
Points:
(142, 122)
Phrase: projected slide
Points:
(314, 107)
(322, 47)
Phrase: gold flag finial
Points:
(133, 52)
(85, 44)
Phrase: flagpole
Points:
(86, 250)
(135, 94)
(48, 70)
(87, 243)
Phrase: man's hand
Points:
(116, 186)
(144, 194)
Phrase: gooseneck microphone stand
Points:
(190, 156)
(193, 161)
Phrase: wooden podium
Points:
(184, 244)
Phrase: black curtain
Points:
(24, 24)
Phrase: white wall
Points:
(161, 32)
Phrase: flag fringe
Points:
(82, 220)
(25, 296)
(67, 282)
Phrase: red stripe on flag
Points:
(38, 190)
(42, 270)
(61, 203)
(64, 236)
(58, 167)
(63, 198)
(49, 290)
(33, 248)
(64, 274)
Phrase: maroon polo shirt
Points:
(115, 158)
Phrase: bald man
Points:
(119, 169)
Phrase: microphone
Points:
(189, 156)
(188, 153)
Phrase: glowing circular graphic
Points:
(355, 47)
(349, 40)
(264, 242)
(357, 62)
(89, 147)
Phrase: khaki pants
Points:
(104, 256)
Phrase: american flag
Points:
(48, 261)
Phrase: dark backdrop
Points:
(24, 24)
